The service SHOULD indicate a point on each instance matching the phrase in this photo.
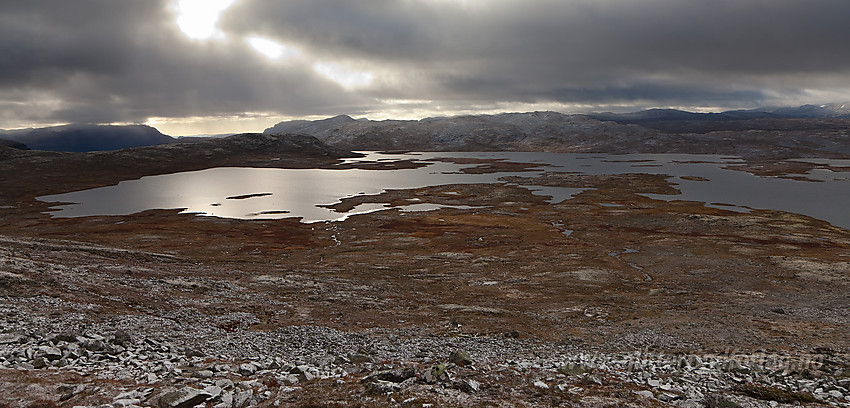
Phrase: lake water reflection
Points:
(260, 193)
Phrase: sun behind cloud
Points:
(271, 49)
(198, 18)
(348, 78)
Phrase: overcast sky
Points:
(209, 66)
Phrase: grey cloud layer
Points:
(732, 35)
(123, 60)
(541, 48)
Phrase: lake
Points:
(262, 193)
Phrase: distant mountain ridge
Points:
(831, 110)
(644, 131)
(505, 131)
(309, 126)
(515, 131)
(826, 111)
(760, 133)
(678, 121)
(87, 138)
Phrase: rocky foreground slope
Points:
(610, 298)
(130, 366)
(80, 336)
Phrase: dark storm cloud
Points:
(124, 60)
(518, 49)
(733, 35)
(43, 41)
(121, 60)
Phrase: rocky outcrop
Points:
(186, 397)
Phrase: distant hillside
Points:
(243, 144)
(750, 134)
(10, 149)
(831, 110)
(310, 127)
(506, 131)
(203, 136)
(833, 116)
(827, 111)
(647, 115)
(87, 138)
(13, 144)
